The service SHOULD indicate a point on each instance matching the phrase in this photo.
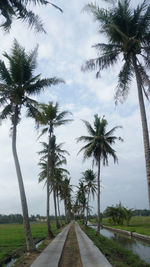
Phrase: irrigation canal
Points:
(13, 260)
(139, 247)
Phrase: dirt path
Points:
(71, 254)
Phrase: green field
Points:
(138, 224)
(12, 236)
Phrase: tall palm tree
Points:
(57, 160)
(49, 118)
(99, 147)
(127, 31)
(89, 178)
(18, 9)
(17, 84)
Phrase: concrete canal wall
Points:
(128, 233)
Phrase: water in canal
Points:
(13, 260)
(141, 248)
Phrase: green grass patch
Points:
(12, 236)
(116, 255)
(138, 224)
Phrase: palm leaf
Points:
(112, 131)
(104, 61)
(124, 81)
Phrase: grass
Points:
(138, 224)
(12, 236)
(116, 255)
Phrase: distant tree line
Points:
(18, 218)
(11, 218)
(141, 212)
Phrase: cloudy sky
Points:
(61, 53)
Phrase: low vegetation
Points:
(118, 214)
(116, 255)
(12, 237)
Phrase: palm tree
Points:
(57, 160)
(18, 9)
(17, 83)
(81, 198)
(49, 118)
(59, 176)
(89, 177)
(65, 195)
(127, 31)
(76, 208)
(98, 146)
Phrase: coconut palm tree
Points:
(49, 118)
(89, 178)
(18, 9)
(76, 209)
(81, 198)
(60, 174)
(127, 31)
(57, 159)
(17, 84)
(65, 195)
(99, 147)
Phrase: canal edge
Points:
(128, 233)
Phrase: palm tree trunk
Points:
(87, 208)
(66, 212)
(58, 205)
(98, 197)
(66, 219)
(144, 124)
(29, 240)
(55, 207)
(50, 234)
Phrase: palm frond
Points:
(41, 84)
(57, 7)
(89, 128)
(99, 14)
(7, 111)
(84, 148)
(62, 114)
(45, 130)
(104, 61)
(144, 21)
(112, 131)
(124, 80)
(32, 107)
(32, 59)
(4, 73)
(84, 139)
(145, 80)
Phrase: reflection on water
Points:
(13, 260)
(141, 248)
(39, 243)
(10, 263)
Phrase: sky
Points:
(62, 51)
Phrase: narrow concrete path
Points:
(71, 255)
(90, 254)
(51, 255)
